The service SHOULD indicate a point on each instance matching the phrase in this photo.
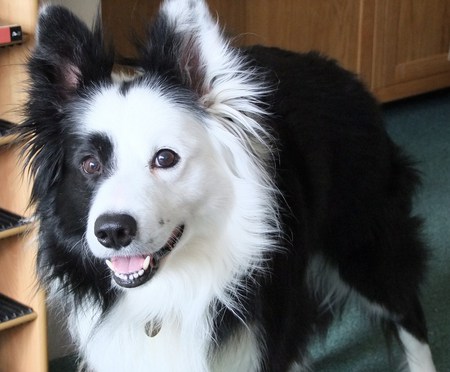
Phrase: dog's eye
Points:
(91, 165)
(165, 159)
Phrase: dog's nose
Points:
(115, 230)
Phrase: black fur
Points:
(59, 192)
(350, 191)
(347, 188)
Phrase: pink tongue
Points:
(126, 265)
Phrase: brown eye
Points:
(91, 165)
(165, 159)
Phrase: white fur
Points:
(241, 353)
(418, 354)
(221, 242)
(219, 190)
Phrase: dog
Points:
(216, 210)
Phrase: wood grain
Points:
(23, 347)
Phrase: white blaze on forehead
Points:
(131, 117)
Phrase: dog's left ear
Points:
(185, 39)
(185, 44)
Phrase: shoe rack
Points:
(23, 345)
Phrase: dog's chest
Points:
(119, 342)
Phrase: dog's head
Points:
(132, 171)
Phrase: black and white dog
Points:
(214, 211)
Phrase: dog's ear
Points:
(185, 39)
(186, 42)
(67, 58)
(67, 53)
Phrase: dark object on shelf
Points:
(5, 127)
(10, 35)
(6, 137)
(13, 313)
(11, 223)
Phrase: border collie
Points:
(216, 210)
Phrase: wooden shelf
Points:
(13, 313)
(23, 344)
(12, 224)
(6, 140)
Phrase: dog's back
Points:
(348, 191)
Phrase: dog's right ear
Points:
(67, 59)
(67, 54)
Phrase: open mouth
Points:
(133, 271)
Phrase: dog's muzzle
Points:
(117, 231)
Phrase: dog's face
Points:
(138, 174)
(153, 173)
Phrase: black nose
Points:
(115, 230)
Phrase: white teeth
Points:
(130, 276)
(110, 265)
(146, 263)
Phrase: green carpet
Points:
(422, 126)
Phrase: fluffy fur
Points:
(260, 184)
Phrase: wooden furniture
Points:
(23, 345)
(400, 48)
(411, 44)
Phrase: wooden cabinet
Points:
(400, 48)
(22, 344)
(300, 25)
(411, 44)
